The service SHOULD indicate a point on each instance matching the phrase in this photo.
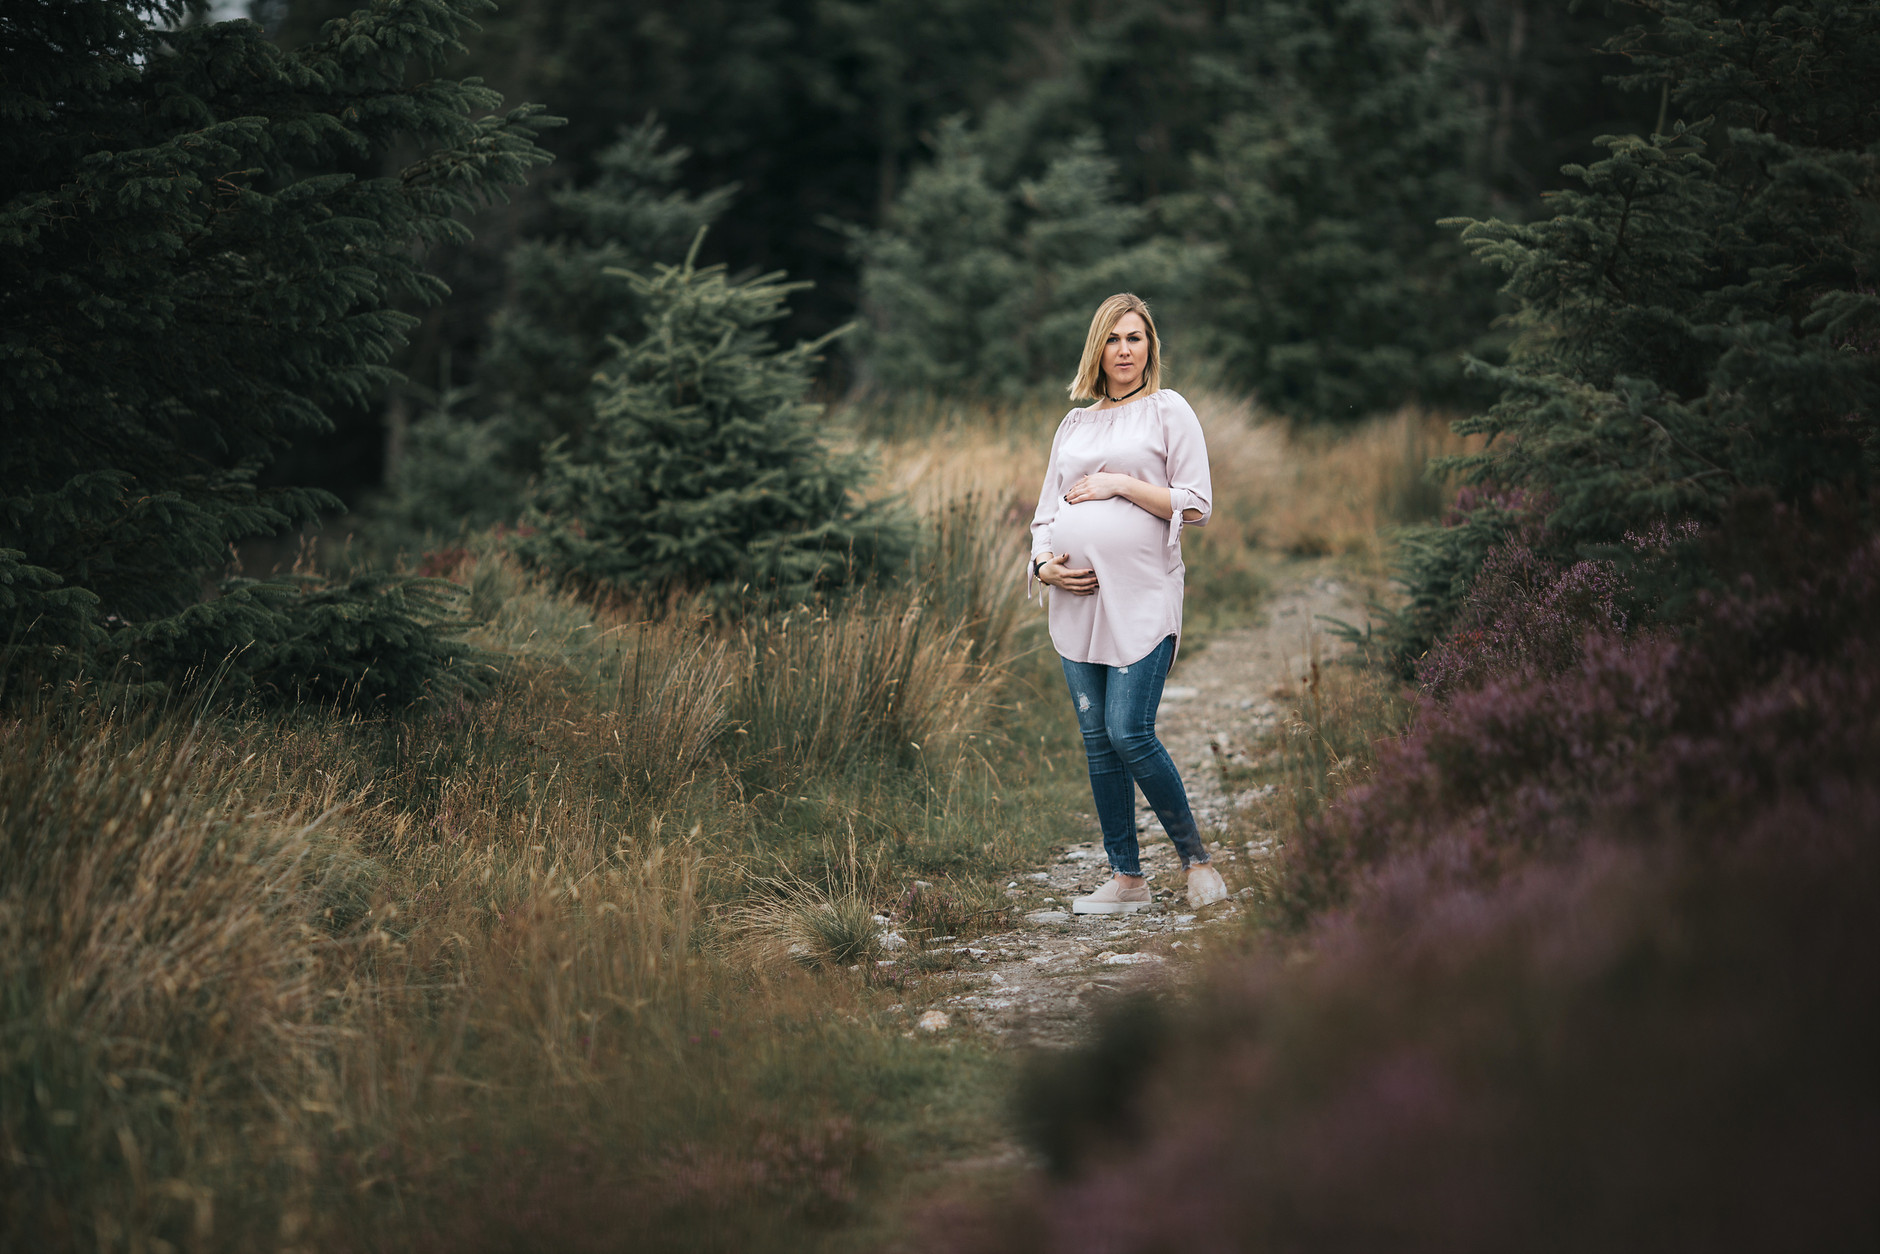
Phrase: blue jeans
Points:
(1116, 713)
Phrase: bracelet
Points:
(1038, 566)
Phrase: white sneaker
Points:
(1113, 898)
(1205, 886)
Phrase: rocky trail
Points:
(1033, 985)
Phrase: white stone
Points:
(934, 1021)
(891, 940)
(1048, 916)
(1128, 960)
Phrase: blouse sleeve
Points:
(1050, 501)
(1190, 486)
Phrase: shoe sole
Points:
(1108, 907)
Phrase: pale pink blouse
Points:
(1137, 556)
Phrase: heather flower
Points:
(1524, 613)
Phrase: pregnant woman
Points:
(1126, 475)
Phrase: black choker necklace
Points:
(1125, 396)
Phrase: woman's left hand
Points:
(1100, 486)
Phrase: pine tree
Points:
(943, 291)
(704, 471)
(461, 468)
(1347, 136)
(1083, 244)
(456, 472)
(567, 305)
(1697, 320)
(190, 274)
(984, 284)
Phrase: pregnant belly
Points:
(1114, 537)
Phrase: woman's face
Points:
(1125, 354)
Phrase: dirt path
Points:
(1032, 984)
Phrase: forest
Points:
(523, 725)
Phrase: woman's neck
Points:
(1108, 399)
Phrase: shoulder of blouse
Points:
(1155, 402)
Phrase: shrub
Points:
(1524, 613)
(1764, 696)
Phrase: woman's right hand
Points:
(1082, 583)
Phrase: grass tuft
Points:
(789, 920)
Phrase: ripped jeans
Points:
(1116, 713)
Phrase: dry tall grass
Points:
(1310, 492)
(1282, 488)
(823, 688)
(159, 958)
(336, 981)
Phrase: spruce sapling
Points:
(704, 471)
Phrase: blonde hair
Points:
(1089, 380)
